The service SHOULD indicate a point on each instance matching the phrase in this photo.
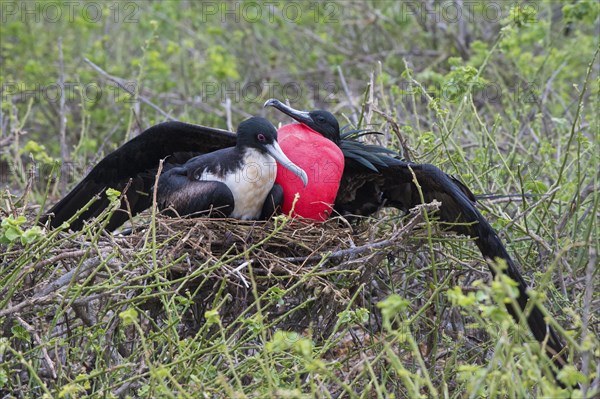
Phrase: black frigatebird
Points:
(373, 179)
(234, 181)
(323, 159)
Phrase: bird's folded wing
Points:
(132, 167)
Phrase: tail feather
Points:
(459, 211)
(491, 247)
(460, 207)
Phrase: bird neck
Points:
(259, 162)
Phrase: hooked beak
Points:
(275, 151)
(300, 116)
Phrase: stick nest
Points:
(199, 275)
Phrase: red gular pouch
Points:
(323, 162)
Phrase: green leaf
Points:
(458, 298)
(112, 194)
(536, 187)
(32, 235)
(570, 375)
(304, 347)
(3, 378)
(282, 340)
(11, 221)
(129, 316)
(70, 390)
(212, 317)
(392, 305)
(13, 233)
(20, 332)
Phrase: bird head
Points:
(321, 121)
(260, 134)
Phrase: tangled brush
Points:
(198, 276)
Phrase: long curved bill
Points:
(275, 151)
(300, 116)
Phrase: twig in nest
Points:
(237, 270)
(406, 229)
(81, 272)
(31, 330)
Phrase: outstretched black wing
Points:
(364, 190)
(132, 168)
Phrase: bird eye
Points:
(260, 137)
(320, 119)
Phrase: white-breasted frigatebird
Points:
(373, 179)
(234, 181)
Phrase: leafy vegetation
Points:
(503, 95)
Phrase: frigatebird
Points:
(234, 181)
(322, 159)
(374, 179)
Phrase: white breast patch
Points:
(249, 185)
